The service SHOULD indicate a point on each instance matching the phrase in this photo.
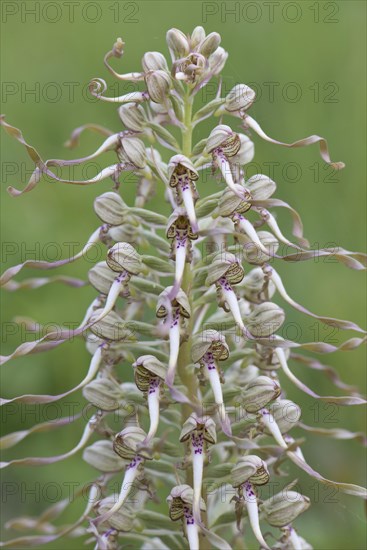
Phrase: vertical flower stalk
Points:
(166, 321)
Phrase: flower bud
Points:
(265, 319)
(250, 468)
(148, 367)
(268, 360)
(158, 84)
(197, 36)
(122, 520)
(110, 208)
(222, 137)
(103, 393)
(177, 43)
(132, 116)
(180, 496)
(206, 425)
(111, 327)
(283, 508)
(127, 442)
(209, 341)
(259, 392)
(124, 257)
(154, 61)
(252, 252)
(101, 277)
(133, 151)
(253, 285)
(241, 97)
(217, 60)
(286, 414)
(209, 44)
(100, 455)
(261, 187)
(231, 203)
(225, 265)
(126, 232)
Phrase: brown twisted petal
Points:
(348, 488)
(324, 151)
(73, 141)
(209, 340)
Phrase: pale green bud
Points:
(132, 151)
(265, 319)
(158, 84)
(217, 60)
(253, 285)
(241, 97)
(100, 455)
(197, 36)
(252, 252)
(133, 116)
(111, 327)
(250, 468)
(101, 277)
(286, 414)
(177, 43)
(283, 508)
(259, 392)
(122, 520)
(209, 44)
(124, 257)
(154, 61)
(261, 187)
(110, 208)
(103, 393)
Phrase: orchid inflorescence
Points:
(154, 313)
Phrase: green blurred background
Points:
(312, 55)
